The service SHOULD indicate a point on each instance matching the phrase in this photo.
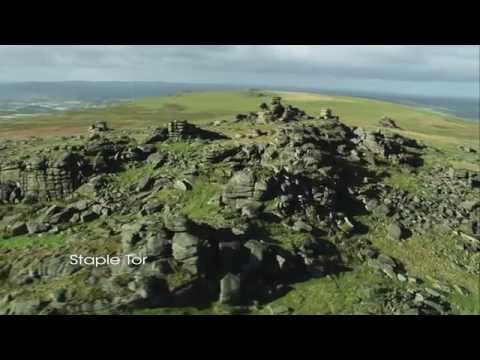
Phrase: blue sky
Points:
(427, 70)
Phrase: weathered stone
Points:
(157, 160)
(383, 210)
(145, 184)
(157, 135)
(61, 217)
(437, 307)
(302, 226)
(157, 244)
(19, 228)
(461, 290)
(81, 205)
(88, 216)
(257, 254)
(230, 290)
(99, 126)
(240, 228)
(388, 123)
(59, 295)
(177, 223)
(182, 185)
(35, 227)
(395, 231)
(240, 186)
(184, 246)
(131, 234)
(152, 207)
(10, 192)
(470, 205)
(52, 210)
(387, 260)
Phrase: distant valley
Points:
(26, 99)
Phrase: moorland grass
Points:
(423, 255)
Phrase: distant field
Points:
(443, 131)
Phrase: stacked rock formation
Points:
(387, 146)
(304, 179)
(178, 130)
(244, 188)
(388, 122)
(99, 126)
(276, 112)
(326, 114)
(185, 246)
(42, 178)
(10, 191)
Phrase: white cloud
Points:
(270, 64)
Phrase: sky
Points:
(425, 70)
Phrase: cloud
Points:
(271, 64)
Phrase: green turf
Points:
(203, 107)
(29, 241)
(423, 255)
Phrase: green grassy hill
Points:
(443, 132)
(425, 257)
(210, 106)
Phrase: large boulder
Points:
(157, 159)
(240, 186)
(145, 183)
(230, 291)
(177, 223)
(35, 227)
(157, 135)
(19, 228)
(131, 235)
(157, 244)
(185, 248)
(10, 192)
(396, 231)
(387, 122)
(61, 217)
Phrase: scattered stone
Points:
(99, 126)
(467, 149)
(88, 216)
(59, 295)
(185, 248)
(145, 184)
(37, 227)
(230, 289)
(412, 280)
(437, 307)
(395, 231)
(387, 122)
(19, 228)
(302, 177)
(280, 310)
(157, 160)
(182, 185)
(152, 207)
(302, 226)
(461, 290)
(470, 205)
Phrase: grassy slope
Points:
(422, 255)
(209, 106)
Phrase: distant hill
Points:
(94, 91)
(112, 91)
